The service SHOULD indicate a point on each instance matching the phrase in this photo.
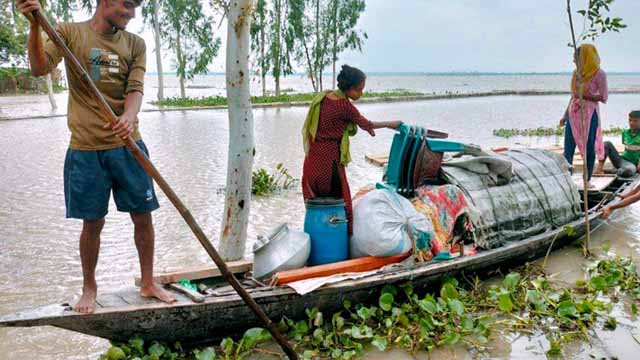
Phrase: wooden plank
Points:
(598, 182)
(354, 265)
(377, 159)
(200, 272)
(111, 300)
(193, 295)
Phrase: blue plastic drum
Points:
(326, 223)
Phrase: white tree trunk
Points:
(241, 146)
(52, 100)
(156, 30)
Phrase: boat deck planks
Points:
(598, 182)
(199, 272)
(377, 159)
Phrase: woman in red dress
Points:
(332, 118)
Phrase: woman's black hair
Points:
(350, 77)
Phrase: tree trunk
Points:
(317, 50)
(180, 64)
(277, 46)
(262, 59)
(52, 100)
(335, 43)
(156, 30)
(241, 144)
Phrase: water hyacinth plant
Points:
(545, 131)
(469, 314)
(264, 183)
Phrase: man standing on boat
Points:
(97, 161)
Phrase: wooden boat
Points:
(122, 315)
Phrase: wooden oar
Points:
(150, 169)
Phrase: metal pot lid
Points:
(263, 241)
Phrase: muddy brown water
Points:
(39, 262)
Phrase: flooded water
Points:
(39, 260)
(214, 85)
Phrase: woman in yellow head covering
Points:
(586, 133)
(331, 120)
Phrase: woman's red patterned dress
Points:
(323, 175)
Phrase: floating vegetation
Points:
(285, 98)
(264, 183)
(466, 314)
(545, 131)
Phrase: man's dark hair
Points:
(635, 114)
(350, 77)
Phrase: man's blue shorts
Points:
(89, 177)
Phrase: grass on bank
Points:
(7, 73)
(467, 313)
(270, 99)
(546, 131)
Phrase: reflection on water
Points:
(39, 260)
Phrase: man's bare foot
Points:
(87, 302)
(155, 291)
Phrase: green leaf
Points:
(227, 346)
(451, 338)
(504, 302)
(611, 324)
(555, 349)
(137, 344)
(599, 283)
(206, 354)
(337, 321)
(255, 336)
(428, 304)
(426, 324)
(533, 297)
(567, 308)
(456, 306)
(467, 323)
(386, 301)
(156, 349)
(511, 281)
(448, 291)
(380, 343)
(569, 230)
(346, 304)
(364, 313)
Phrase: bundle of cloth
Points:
(387, 224)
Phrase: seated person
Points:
(627, 163)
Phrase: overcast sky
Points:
(470, 35)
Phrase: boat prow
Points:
(44, 315)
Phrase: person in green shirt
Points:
(627, 163)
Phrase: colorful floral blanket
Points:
(444, 205)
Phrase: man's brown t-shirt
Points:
(116, 63)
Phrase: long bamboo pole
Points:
(150, 169)
(586, 249)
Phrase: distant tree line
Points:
(285, 35)
(309, 34)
